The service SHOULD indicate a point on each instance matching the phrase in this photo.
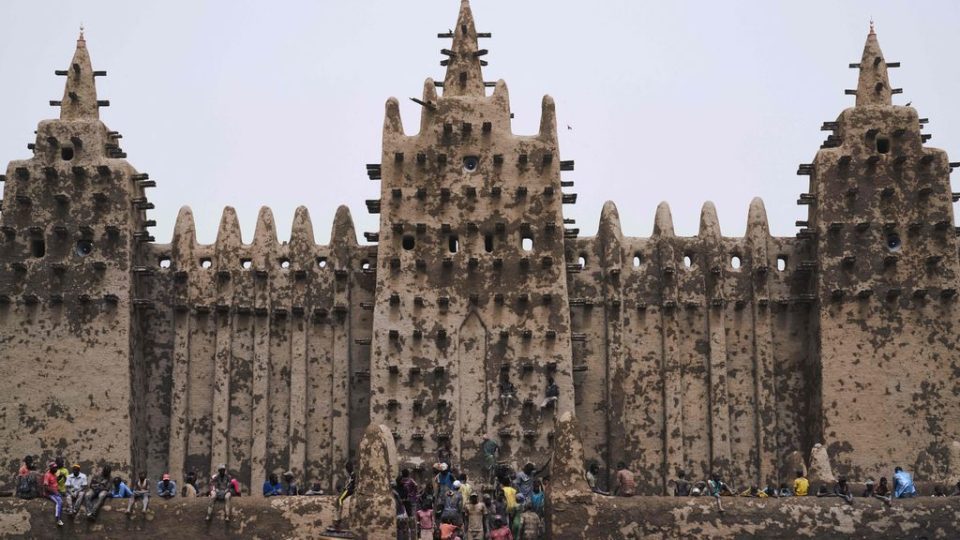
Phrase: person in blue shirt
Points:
(120, 489)
(903, 487)
(272, 487)
(166, 488)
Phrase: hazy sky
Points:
(281, 103)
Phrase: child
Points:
(425, 519)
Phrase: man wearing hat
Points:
(76, 484)
(289, 485)
(166, 488)
(220, 491)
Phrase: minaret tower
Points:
(471, 286)
(882, 217)
(73, 218)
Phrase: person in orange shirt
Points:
(51, 489)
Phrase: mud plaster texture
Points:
(708, 353)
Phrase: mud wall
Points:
(254, 350)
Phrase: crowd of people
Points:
(507, 505)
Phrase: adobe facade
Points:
(707, 353)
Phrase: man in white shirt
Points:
(76, 487)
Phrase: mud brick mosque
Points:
(707, 353)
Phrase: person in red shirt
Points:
(51, 489)
(500, 531)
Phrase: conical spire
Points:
(873, 87)
(464, 77)
(80, 95)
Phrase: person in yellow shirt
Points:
(510, 497)
(801, 485)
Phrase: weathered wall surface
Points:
(72, 219)
(881, 210)
(277, 517)
(263, 345)
(799, 517)
(470, 282)
(690, 349)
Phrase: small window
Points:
(883, 145)
(408, 242)
(471, 163)
(38, 248)
(781, 263)
(637, 259)
(164, 262)
(488, 243)
(582, 261)
(284, 263)
(688, 261)
(453, 243)
(84, 247)
(66, 153)
(322, 262)
(246, 264)
(893, 242)
(206, 263)
(735, 262)
(526, 242)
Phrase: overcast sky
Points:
(281, 103)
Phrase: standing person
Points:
(76, 486)
(425, 517)
(451, 506)
(409, 492)
(681, 487)
(166, 488)
(476, 514)
(508, 393)
(51, 490)
(465, 488)
(490, 450)
(97, 492)
(220, 490)
(141, 490)
(538, 498)
(500, 530)
(626, 485)
(444, 479)
(510, 500)
(532, 525)
(801, 485)
(523, 481)
(903, 487)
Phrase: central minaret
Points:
(471, 285)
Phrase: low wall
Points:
(253, 517)
(796, 517)
(594, 517)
